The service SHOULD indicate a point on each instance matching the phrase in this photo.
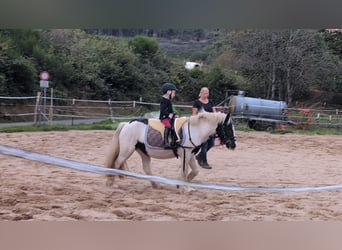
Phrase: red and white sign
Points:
(44, 75)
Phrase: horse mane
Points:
(208, 116)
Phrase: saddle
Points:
(155, 132)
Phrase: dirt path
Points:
(35, 191)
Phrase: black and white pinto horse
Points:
(130, 137)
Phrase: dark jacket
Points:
(206, 106)
(165, 108)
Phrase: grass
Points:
(309, 130)
(112, 125)
(319, 131)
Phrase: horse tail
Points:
(114, 150)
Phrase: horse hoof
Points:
(186, 190)
(155, 185)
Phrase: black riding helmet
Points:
(168, 86)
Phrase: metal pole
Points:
(51, 107)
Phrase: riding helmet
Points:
(168, 86)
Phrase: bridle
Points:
(224, 132)
(229, 140)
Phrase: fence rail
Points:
(25, 109)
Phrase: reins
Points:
(195, 148)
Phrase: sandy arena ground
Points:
(35, 191)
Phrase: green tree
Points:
(219, 82)
(18, 68)
(145, 47)
(333, 39)
(284, 64)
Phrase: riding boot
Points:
(173, 137)
(166, 138)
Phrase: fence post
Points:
(72, 112)
(133, 106)
(110, 108)
(36, 108)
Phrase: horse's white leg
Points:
(146, 164)
(124, 154)
(111, 178)
(184, 165)
(120, 161)
(189, 161)
(184, 168)
(194, 168)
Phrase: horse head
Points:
(226, 132)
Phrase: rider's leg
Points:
(166, 137)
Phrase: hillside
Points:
(132, 64)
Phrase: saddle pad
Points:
(157, 125)
(178, 125)
(154, 138)
(155, 134)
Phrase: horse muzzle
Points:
(231, 144)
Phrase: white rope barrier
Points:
(61, 162)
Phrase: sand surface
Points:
(35, 191)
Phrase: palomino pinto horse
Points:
(130, 137)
